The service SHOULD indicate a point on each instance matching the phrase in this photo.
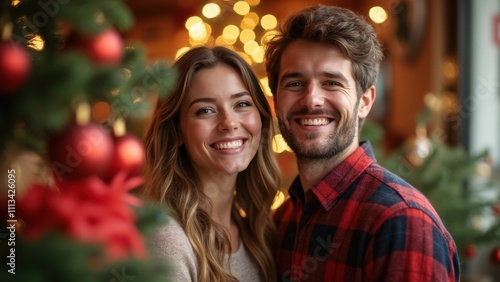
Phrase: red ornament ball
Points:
(104, 48)
(470, 251)
(80, 151)
(495, 255)
(496, 209)
(128, 156)
(15, 66)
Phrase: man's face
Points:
(317, 104)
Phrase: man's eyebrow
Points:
(336, 75)
(288, 75)
(296, 74)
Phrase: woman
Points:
(209, 160)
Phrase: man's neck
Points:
(312, 171)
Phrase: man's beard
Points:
(338, 140)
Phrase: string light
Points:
(250, 20)
(265, 85)
(241, 8)
(279, 144)
(268, 22)
(278, 200)
(191, 21)
(181, 51)
(230, 34)
(250, 46)
(211, 10)
(258, 54)
(247, 35)
(36, 43)
(377, 14)
(253, 2)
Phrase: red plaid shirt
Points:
(362, 223)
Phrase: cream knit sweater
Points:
(172, 244)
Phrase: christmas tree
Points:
(457, 183)
(69, 86)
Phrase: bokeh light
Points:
(377, 14)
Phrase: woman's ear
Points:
(366, 102)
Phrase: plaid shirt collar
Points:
(337, 181)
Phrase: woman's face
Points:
(220, 124)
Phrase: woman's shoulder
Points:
(171, 243)
(172, 236)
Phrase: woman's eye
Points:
(243, 104)
(204, 111)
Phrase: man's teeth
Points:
(229, 145)
(315, 121)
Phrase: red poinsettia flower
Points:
(90, 211)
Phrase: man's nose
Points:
(312, 97)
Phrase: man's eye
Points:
(294, 84)
(332, 83)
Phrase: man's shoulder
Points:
(387, 185)
(392, 191)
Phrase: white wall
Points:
(484, 108)
(484, 103)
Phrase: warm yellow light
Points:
(253, 2)
(450, 70)
(202, 41)
(250, 46)
(220, 41)
(265, 86)
(258, 54)
(279, 143)
(198, 31)
(127, 74)
(268, 22)
(278, 200)
(377, 14)
(199, 41)
(228, 41)
(247, 24)
(192, 21)
(230, 34)
(208, 27)
(247, 35)
(211, 10)
(201, 36)
(181, 52)
(241, 8)
(15, 2)
(249, 21)
(253, 17)
(36, 43)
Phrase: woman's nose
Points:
(228, 121)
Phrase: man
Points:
(347, 219)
